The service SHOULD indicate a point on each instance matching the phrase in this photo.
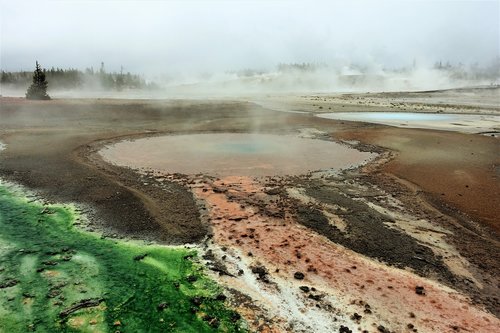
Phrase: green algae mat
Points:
(55, 277)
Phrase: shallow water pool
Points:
(232, 154)
(444, 121)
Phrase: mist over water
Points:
(219, 48)
(232, 154)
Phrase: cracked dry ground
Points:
(334, 253)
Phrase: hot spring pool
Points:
(231, 154)
(454, 122)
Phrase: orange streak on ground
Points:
(289, 247)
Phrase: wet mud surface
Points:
(391, 246)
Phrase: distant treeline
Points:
(59, 78)
(458, 71)
(473, 71)
(303, 67)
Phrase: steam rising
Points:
(226, 47)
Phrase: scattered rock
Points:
(382, 329)
(304, 289)
(219, 189)
(262, 272)
(315, 297)
(273, 191)
(298, 275)
(355, 316)
(140, 257)
(419, 290)
(344, 329)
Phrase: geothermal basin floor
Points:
(312, 252)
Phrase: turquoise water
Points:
(469, 123)
(391, 116)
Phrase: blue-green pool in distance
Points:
(445, 121)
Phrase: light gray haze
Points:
(188, 41)
(172, 36)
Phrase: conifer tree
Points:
(38, 89)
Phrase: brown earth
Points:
(450, 179)
(454, 169)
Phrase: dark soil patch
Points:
(51, 148)
(367, 234)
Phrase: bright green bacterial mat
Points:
(55, 277)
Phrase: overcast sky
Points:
(176, 36)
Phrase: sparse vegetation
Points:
(72, 78)
(38, 89)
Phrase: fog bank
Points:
(213, 45)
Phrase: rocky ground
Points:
(407, 243)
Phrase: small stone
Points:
(140, 257)
(382, 329)
(315, 297)
(344, 329)
(419, 290)
(262, 272)
(298, 275)
(304, 289)
(356, 316)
